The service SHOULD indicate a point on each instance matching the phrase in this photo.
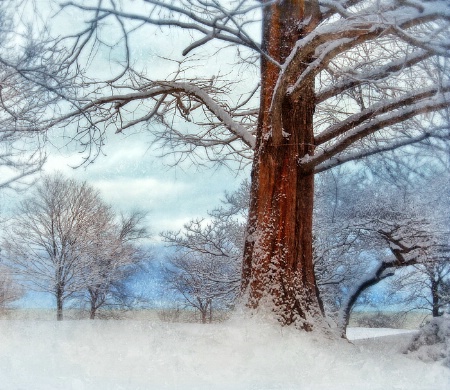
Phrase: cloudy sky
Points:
(130, 175)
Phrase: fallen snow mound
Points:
(432, 343)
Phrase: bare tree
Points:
(49, 242)
(205, 267)
(204, 282)
(338, 82)
(438, 282)
(114, 258)
(410, 243)
(427, 286)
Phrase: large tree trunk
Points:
(278, 261)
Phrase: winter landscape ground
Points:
(238, 354)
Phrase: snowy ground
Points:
(245, 354)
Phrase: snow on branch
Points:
(165, 96)
(357, 128)
(353, 79)
(362, 153)
(416, 97)
(217, 110)
(349, 48)
(313, 52)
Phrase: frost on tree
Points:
(339, 80)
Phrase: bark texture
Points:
(278, 261)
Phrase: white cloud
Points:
(145, 192)
(129, 177)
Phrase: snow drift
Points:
(244, 354)
(432, 343)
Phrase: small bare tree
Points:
(202, 281)
(63, 240)
(205, 268)
(114, 258)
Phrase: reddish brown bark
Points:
(278, 262)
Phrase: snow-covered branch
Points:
(364, 124)
(353, 79)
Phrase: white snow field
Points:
(238, 354)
